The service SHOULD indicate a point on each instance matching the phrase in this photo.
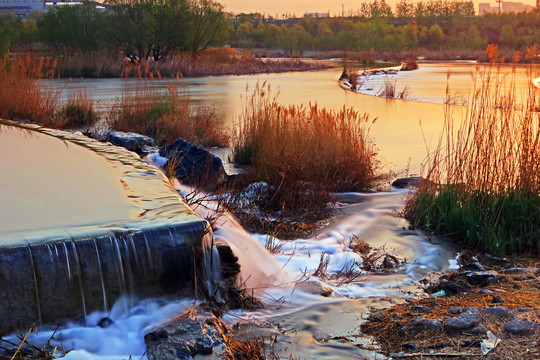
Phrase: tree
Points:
(208, 25)
(9, 31)
(376, 9)
(405, 9)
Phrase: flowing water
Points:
(311, 321)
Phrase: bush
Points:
(78, 112)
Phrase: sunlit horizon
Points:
(300, 7)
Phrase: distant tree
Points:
(376, 9)
(507, 36)
(9, 31)
(208, 25)
(78, 27)
(404, 9)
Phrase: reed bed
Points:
(22, 95)
(165, 116)
(303, 153)
(485, 170)
(212, 61)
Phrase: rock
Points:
(478, 277)
(417, 325)
(457, 310)
(412, 181)
(500, 312)
(513, 271)
(105, 322)
(452, 288)
(485, 292)
(193, 165)
(313, 287)
(520, 326)
(467, 320)
(409, 346)
(184, 339)
(131, 141)
(420, 308)
(475, 266)
(517, 286)
(523, 309)
(497, 299)
(478, 330)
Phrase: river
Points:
(403, 127)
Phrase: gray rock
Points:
(313, 287)
(417, 325)
(467, 320)
(500, 312)
(131, 141)
(452, 288)
(523, 309)
(194, 165)
(520, 326)
(457, 309)
(183, 339)
(514, 271)
(497, 299)
(485, 292)
(412, 181)
(479, 277)
(475, 266)
(478, 330)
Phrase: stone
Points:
(523, 309)
(452, 288)
(193, 165)
(500, 312)
(457, 309)
(478, 330)
(479, 277)
(517, 286)
(466, 320)
(420, 308)
(417, 325)
(129, 140)
(513, 271)
(105, 322)
(409, 346)
(412, 181)
(474, 266)
(497, 299)
(520, 326)
(313, 287)
(485, 292)
(183, 339)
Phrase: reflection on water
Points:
(397, 132)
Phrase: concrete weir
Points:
(84, 222)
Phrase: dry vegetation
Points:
(382, 325)
(212, 61)
(166, 116)
(488, 166)
(302, 153)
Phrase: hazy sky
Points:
(299, 7)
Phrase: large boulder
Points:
(193, 165)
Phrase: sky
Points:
(299, 7)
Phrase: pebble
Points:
(520, 326)
(497, 299)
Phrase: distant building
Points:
(21, 8)
(506, 7)
(317, 15)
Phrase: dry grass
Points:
(382, 325)
(77, 112)
(22, 95)
(166, 116)
(488, 165)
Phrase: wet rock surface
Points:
(193, 165)
(184, 339)
(132, 141)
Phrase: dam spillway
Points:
(83, 223)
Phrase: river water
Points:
(311, 319)
(403, 127)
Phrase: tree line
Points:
(158, 28)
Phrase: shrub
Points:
(78, 112)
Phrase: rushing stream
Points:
(312, 320)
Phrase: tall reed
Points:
(22, 95)
(485, 170)
(305, 143)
